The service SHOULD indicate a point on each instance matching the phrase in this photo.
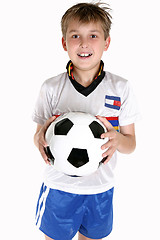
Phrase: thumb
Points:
(48, 122)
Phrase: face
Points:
(85, 44)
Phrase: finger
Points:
(110, 150)
(110, 134)
(43, 142)
(104, 159)
(105, 122)
(106, 135)
(106, 145)
(106, 153)
(108, 158)
(43, 154)
(109, 153)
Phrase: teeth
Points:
(84, 54)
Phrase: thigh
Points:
(48, 238)
(98, 218)
(59, 214)
(82, 237)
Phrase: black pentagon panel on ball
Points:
(63, 127)
(78, 157)
(96, 129)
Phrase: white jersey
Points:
(112, 98)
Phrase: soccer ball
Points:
(74, 143)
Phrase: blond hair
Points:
(88, 12)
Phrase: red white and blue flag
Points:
(113, 102)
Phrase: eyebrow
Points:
(95, 31)
(73, 31)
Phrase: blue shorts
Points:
(60, 215)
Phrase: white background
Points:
(31, 52)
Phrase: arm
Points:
(39, 138)
(123, 141)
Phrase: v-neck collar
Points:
(81, 89)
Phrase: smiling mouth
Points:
(84, 55)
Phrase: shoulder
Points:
(117, 84)
(54, 81)
(115, 79)
(54, 84)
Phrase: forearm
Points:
(39, 138)
(123, 141)
(36, 135)
(127, 143)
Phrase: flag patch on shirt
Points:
(114, 121)
(112, 102)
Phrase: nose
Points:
(84, 43)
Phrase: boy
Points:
(66, 204)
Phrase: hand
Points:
(39, 138)
(113, 139)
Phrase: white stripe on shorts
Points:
(41, 211)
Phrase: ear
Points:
(64, 44)
(107, 43)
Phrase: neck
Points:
(85, 78)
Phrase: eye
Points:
(93, 36)
(75, 36)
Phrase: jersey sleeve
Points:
(129, 109)
(43, 107)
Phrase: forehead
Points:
(76, 25)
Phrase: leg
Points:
(48, 238)
(82, 237)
